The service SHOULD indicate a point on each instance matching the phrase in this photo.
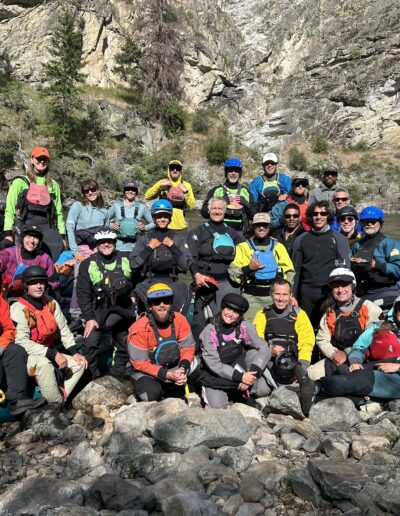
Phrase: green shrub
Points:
(201, 121)
(217, 148)
(297, 159)
(8, 147)
(316, 170)
(173, 118)
(320, 145)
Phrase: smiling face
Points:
(36, 288)
(162, 219)
(292, 218)
(217, 211)
(40, 164)
(106, 247)
(175, 171)
(261, 230)
(342, 292)
(91, 193)
(269, 168)
(232, 174)
(30, 242)
(161, 308)
(130, 194)
(281, 296)
(347, 224)
(371, 226)
(319, 218)
(229, 316)
(330, 179)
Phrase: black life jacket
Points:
(347, 328)
(166, 352)
(230, 351)
(114, 285)
(281, 330)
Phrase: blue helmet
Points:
(372, 212)
(233, 163)
(161, 206)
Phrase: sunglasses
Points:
(261, 225)
(41, 158)
(333, 174)
(159, 300)
(290, 216)
(175, 167)
(90, 190)
(269, 163)
(130, 190)
(337, 199)
(369, 221)
(319, 213)
(304, 185)
(349, 219)
(106, 241)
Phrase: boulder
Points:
(337, 478)
(285, 400)
(292, 440)
(336, 445)
(250, 509)
(213, 428)
(106, 391)
(47, 422)
(113, 493)
(189, 503)
(75, 433)
(239, 458)
(153, 466)
(334, 414)
(84, 458)
(32, 494)
(368, 443)
(127, 444)
(132, 417)
(167, 406)
(304, 486)
(261, 478)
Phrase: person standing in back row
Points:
(178, 192)
(326, 190)
(35, 200)
(270, 187)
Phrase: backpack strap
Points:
(123, 211)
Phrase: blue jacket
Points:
(336, 226)
(386, 255)
(257, 184)
(84, 217)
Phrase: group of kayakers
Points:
(279, 284)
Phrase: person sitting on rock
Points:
(178, 192)
(104, 290)
(160, 256)
(342, 323)
(258, 263)
(288, 331)
(40, 325)
(271, 187)
(376, 259)
(130, 218)
(14, 260)
(377, 379)
(240, 208)
(234, 356)
(161, 348)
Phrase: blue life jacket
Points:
(223, 246)
(270, 270)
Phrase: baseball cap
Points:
(40, 151)
(331, 168)
(297, 180)
(261, 218)
(131, 184)
(270, 156)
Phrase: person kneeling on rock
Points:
(161, 348)
(39, 322)
(234, 356)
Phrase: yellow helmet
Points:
(159, 290)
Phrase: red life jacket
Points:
(385, 344)
(42, 323)
(303, 208)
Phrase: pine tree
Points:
(64, 75)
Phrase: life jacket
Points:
(176, 197)
(365, 252)
(385, 344)
(270, 193)
(167, 351)
(162, 261)
(42, 324)
(230, 347)
(281, 330)
(12, 284)
(345, 328)
(269, 272)
(128, 226)
(231, 212)
(223, 246)
(35, 204)
(114, 283)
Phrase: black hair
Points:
(291, 206)
(318, 204)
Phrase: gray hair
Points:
(344, 190)
(214, 199)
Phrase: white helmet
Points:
(342, 274)
(105, 234)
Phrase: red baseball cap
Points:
(40, 151)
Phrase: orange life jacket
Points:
(353, 323)
(303, 208)
(42, 323)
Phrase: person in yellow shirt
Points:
(288, 331)
(258, 263)
(178, 192)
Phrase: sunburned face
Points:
(229, 316)
(36, 288)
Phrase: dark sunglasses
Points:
(261, 225)
(269, 163)
(290, 216)
(337, 199)
(369, 221)
(159, 300)
(320, 213)
(175, 167)
(41, 158)
(349, 219)
(90, 190)
(302, 183)
(333, 174)
(129, 189)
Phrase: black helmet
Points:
(283, 368)
(347, 210)
(34, 272)
(236, 302)
(32, 230)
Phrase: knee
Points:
(316, 371)
(148, 389)
(14, 352)
(42, 368)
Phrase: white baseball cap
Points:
(270, 156)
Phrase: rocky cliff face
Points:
(279, 71)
